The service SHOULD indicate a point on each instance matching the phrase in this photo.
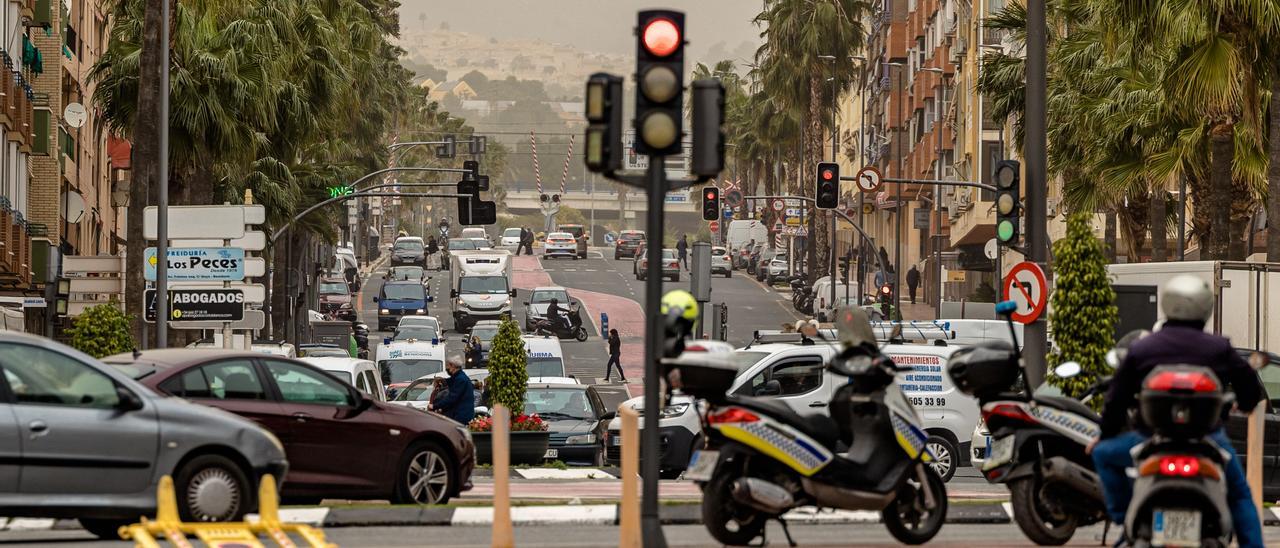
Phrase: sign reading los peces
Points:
(199, 264)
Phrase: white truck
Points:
(741, 232)
(1248, 298)
(481, 286)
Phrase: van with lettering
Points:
(401, 362)
(545, 360)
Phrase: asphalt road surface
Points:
(808, 535)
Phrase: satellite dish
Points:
(75, 114)
(73, 207)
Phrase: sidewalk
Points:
(918, 311)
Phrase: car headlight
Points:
(674, 410)
(345, 306)
(466, 434)
(422, 311)
(581, 439)
(384, 311)
(507, 302)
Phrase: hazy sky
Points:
(593, 25)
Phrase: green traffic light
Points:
(1004, 231)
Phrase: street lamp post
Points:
(936, 239)
(897, 224)
(862, 146)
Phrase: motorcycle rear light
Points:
(1179, 466)
(1193, 381)
(1007, 410)
(732, 414)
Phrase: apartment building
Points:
(24, 207)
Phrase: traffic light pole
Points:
(650, 524)
(1034, 151)
(884, 270)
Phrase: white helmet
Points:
(1187, 298)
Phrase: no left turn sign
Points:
(778, 204)
(1026, 285)
(869, 179)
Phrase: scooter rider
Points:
(555, 314)
(1187, 303)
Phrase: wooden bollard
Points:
(503, 536)
(629, 506)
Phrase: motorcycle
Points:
(760, 459)
(575, 330)
(1179, 495)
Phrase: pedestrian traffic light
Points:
(828, 192)
(477, 145)
(604, 119)
(448, 149)
(844, 266)
(1008, 206)
(711, 203)
(707, 158)
(660, 82)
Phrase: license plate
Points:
(701, 465)
(1175, 527)
(551, 454)
(986, 448)
(617, 439)
(1001, 451)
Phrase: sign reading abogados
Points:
(224, 305)
(199, 264)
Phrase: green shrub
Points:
(1083, 312)
(101, 331)
(508, 377)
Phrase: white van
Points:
(474, 232)
(402, 362)
(742, 232)
(545, 360)
(481, 287)
(362, 374)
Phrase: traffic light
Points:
(62, 296)
(659, 82)
(477, 145)
(604, 119)
(707, 158)
(1008, 206)
(844, 266)
(828, 193)
(471, 209)
(710, 203)
(449, 149)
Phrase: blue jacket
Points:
(1177, 343)
(459, 401)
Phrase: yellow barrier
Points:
(168, 526)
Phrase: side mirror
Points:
(513, 293)
(1066, 370)
(375, 299)
(430, 299)
(609, 416)
(453, 293)
(526, 303)
(127, 400)
(770, 388)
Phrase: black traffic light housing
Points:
(604, 119)
(707, 158)
(471, 209)
(659, 82)
(710, 203)
(827, 195)
(1008, 204)
(449, 149)
(477, 145)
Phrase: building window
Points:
(40, 131)
(991, 156)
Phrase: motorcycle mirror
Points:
(853, 326)
(1066, 370)
(1112, 358)
(1005, 308)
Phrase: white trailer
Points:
(1248, 297)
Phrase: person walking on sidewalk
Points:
(913, 281)
(615, 356)
(682, 251)
(526, 241)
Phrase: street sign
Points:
(990, 250)
(868, 208)
(205, 222)
(733, 198)
(1027, 286)
(955, 275)
(795, 231)
(253, 319)
(920, 218)
(207, 264)
(778, 204)
(714, 226)
(221, 305)
(253, 293)
(869, 179)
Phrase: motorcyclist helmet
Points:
(682, 300)
(1187, 298)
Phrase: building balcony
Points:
(973, 221)
(16, 113)
(15, 247)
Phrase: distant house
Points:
(427, 84)
(485, 108)
(457, 88)
(570, 113)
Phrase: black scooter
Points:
(547, 327)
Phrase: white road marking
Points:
(308, 516)
(597, 514)
(571, 473)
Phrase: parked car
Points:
(322, 350)
(336, 300)
(341, 443)
(362, 374)
(83, 440)
(628, 242)
(670, 265)
(577, 420)
(475, 233)
(560, 244)
(580, 237)
(485, 330)
(721, 261)
(510, 239)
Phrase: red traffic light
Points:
(827, 174)
(661, 37)
(711, 194)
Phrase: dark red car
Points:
(340, 442)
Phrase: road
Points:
(807, 535)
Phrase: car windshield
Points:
(333, 288)
(344, 376)
(413, 273)
(325, 352)
(545, 367)
(484, 285)
(135, 370)
(408, 245)
(744, 359)
(719, 251)
(413, 292)
(511, 233)
(486, 334)
(575, 230)
(545, 296)
(418, 391)
(405, 370)
(559, 236)
(668, 254)
(632, 236)
(559, 403)
(418, 320)
(461, 244)
(416, 332)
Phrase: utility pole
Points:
(1036, 333)
(162, 204)
(936, 239)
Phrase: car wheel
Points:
(212, 488)
(106, 529)
(425, 476)
(728, 273)
(946, 457)
(616, 256)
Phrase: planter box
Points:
(526, 447)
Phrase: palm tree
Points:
(807, 41)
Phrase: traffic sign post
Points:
(1027, 286)
(219, 305)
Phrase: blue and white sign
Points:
(199, 264)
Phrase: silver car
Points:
(80, 439)
(721, 261)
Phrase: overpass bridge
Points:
(606, 203)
